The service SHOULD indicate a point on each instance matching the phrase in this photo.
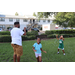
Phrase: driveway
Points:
(41, 32)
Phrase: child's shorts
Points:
(37, 55)
(61, 48)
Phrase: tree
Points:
(34, 14)
(45, 14)
(16, 14)
(65, 19)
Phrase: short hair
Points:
(16, 23)
(38, 38)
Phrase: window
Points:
(2, 19)
(17, 20)
(2, 26)
(44, 20)
(10, 19)
(11, 26)
(25, 20)
(48, 20)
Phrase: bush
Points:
(28, 37)
(5, 38)
(5, 33)
(32, 33)
(8, 27)
(60, 32)
(64, 35)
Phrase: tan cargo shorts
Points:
(18, 50)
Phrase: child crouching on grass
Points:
(37, 48)
(61, 45)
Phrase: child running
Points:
(37, 48)
(61, 45)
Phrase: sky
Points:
(20, 13)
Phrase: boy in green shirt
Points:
(61, 45)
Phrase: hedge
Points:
(64, 35)
(7, 38)
(5, 33)
(60, 32)
(32, 33)
(28, 33)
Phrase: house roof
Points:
(25, 17)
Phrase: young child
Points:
(37, 48)
(61, 45)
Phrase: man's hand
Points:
(56, 35)
(24, 28)
(24, 31)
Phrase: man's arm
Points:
(24, 31)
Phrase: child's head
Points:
(38, 40)
(61, 37)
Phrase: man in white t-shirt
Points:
(16, 43)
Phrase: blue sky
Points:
(20, 13)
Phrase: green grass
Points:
(6, 51)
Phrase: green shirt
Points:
(61, 43)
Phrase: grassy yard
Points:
(6, 51)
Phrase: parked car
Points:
(10, 29)
(26, 30)
(35, 29)
(1, 29)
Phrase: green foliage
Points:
(32, 37)
(8, 27)
(65, 19)
(5, 38)
(16, 14)
(34, 14)
(60, 32)
(5, 33)
(45, 14)
(32, 33)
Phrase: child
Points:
(37, 48)
(61, 46)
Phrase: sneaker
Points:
(57, 52)
(64, 54)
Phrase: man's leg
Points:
(19, 52)
(18, 58)
(14, 57)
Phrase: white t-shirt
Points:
(16, 34)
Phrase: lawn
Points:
(51, 45)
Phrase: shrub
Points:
(64, 35)
(28, 37)
(60, 32)
(5, 38)
(5, 33)
(32, 33)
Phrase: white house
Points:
(25, 21)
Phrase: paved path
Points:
(41, 32)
